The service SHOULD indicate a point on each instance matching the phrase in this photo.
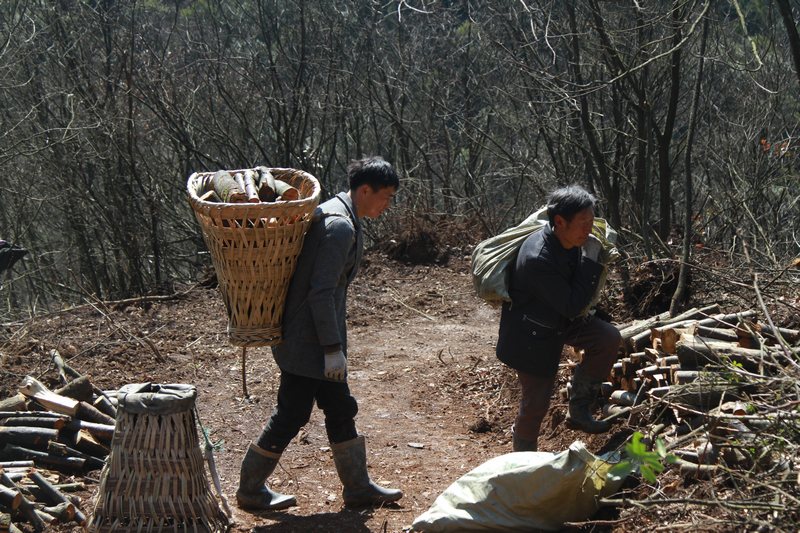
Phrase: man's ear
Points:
(559, 222)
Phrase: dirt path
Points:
(403, 367)
(434, 401)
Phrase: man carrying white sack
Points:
(556, 273)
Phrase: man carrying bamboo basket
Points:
(313, 353)
(552, 283)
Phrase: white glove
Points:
(336, 366)
(591, 248)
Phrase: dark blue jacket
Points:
(549, 287)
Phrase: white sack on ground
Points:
(523, 491)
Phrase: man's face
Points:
(572, 233)
(371, 203)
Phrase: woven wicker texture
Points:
(254, 248)
(155, 479)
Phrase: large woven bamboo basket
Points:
(254, 247)
(155, 477)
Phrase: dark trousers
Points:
(600, 342)
(296, 397)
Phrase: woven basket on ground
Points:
(155, 478)
(254, 247)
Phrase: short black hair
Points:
(568, 201)
(373, 171)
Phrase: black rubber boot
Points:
(257, 466)
(581, 397)
(350, 458)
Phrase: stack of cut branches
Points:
(46, 436)
(246, 186)
(720, 389)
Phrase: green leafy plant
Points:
(638, 458)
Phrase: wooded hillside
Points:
(682, 116)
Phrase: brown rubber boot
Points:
(252, 494)
(350, 458)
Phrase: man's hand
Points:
(591, 248)
(336, 366)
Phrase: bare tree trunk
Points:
(665, 138)
(677, 297)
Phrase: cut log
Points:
(64, 512)
(9, 498)
(15, 464)
(48, 422)
(46, 518)
(39, 414)
(629, 331)
(32, 388)
(92, 462)
(285, 191)
(649, 371)
(78, 389)
(42, 459)
(682, 377)
(658, 392)
(695, 352)
(31, 437)
(266, 185)
(90, 413)
(670, 336)
(104, 405)
(625, 398)
(668, 360)
(54, 497)
(612, 411)
(25, 507)
(249, 179)
(791, 336)
(210, 196)
(726, 321)
(226, 187)
(67, 373)
(721, 334)
(703, 393)
(631, 384)
(17, 402)
(83, 441)
(636, 339)
(102, 432)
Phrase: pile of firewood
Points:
(45, 438)
(699, 380)
(251, 186)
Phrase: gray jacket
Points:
(315, 311)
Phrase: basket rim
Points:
(316, 191)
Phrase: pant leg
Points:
(340, 409)
(533, 404)
(600, 342)
(296, 396)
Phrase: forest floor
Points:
(434, 402)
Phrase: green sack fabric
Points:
(523, 491)
(492, 257)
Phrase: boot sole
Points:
(372, 502)
(257, 506)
